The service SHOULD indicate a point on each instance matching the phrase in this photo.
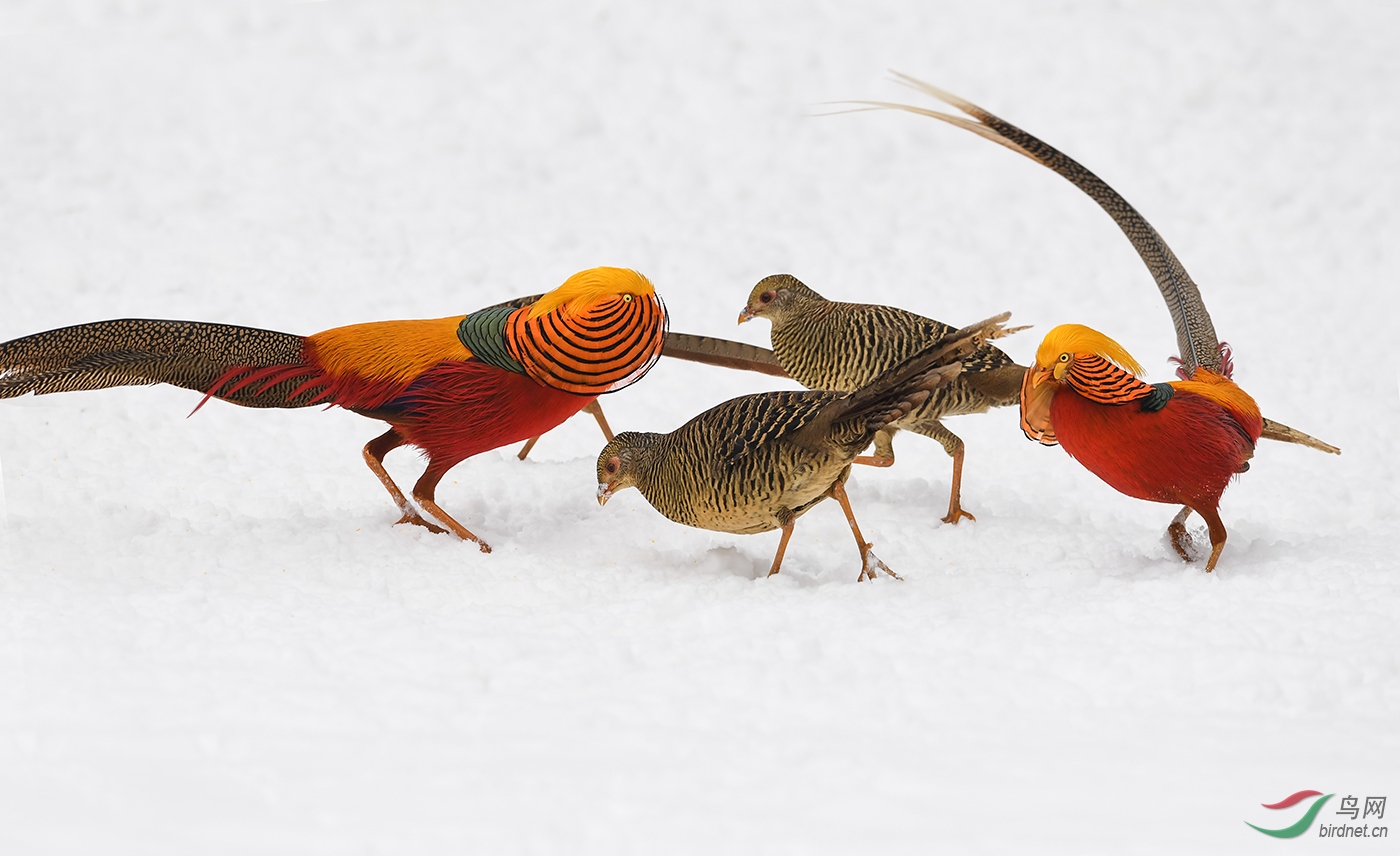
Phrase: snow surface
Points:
(212, 640)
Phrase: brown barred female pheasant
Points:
(824, 344)
(758, 462)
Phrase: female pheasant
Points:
(758, 462)
(1180, 442)
(453, 387)
(826, 344)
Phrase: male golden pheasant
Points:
(825, 344)
(1179, 442)
(453, 387)
(758, 462)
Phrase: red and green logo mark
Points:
(1304, 822)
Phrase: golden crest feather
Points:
(1078, 339)
(590, 284)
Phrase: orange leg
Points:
(953, 445)
(868, 560)
(525, 449)
(597, 410)
(884, 450)
(955, 510)
(424, 492)
(782, 544)
(1182, 541)
(375, 450)
(1217, 535)
(592, 407)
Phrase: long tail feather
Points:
(136, 352)
(1195, 334)
(1282, 433)
(721, 352)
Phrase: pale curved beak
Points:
(1040, 375)
(746, 315)
(604, 493)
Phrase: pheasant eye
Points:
(612, 465)
(1064, 358)
(766, 297)
(626, 298)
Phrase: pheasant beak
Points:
(605, 492)
(747, 314)
(1040, 375)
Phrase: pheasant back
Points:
(828, 344)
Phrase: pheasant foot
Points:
(456, 528)
(1181, 539)
(956, 513)
(410, 516)
(869, 562)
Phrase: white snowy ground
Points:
(212, 640)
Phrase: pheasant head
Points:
(1069, 354)
(623, 463)
(778, 296)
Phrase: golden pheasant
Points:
(824, 344)
(758, 462)
(1179, 442)
(453, 387)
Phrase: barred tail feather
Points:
(244, 365)
(1195, 334)
(721, 352)
(1282, 433)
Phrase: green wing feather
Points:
(484, 334)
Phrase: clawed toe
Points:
(956, 514)
(416, 520)
(1181, 540)
(870, 562)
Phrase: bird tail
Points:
(1278, 431)
(721, 352)
(1195, 335)
(244, 365)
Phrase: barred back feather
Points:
(826, 344)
